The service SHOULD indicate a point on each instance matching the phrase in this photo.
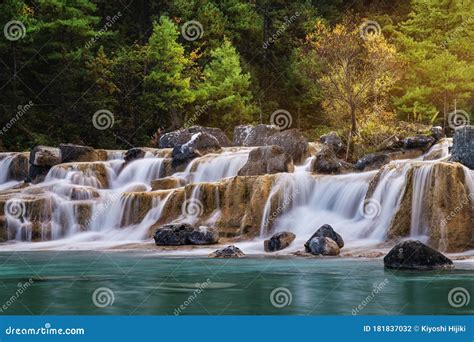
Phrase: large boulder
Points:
(326, 162)
(253, 135)
(45, 156)
(76, 153)
(267, 160)
(292, 142)
(227, 252)
(332, 140)
(418, 141)
(327, 231)
(463, 146)
(322, 246)
(185, 234)
(19, 165)
(182, 136)
(437, 132)
(413, 254)
(278, 241)
(241, 132)
(372, 161)
(42, 158)
(199, 145)
(134, 153)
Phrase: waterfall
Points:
(5, 164)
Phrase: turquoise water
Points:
(141, 283)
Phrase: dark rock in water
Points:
(413, 254)
(463, 146)
(327, 231)
(418, 141)
(437, 132)
(292, 142)
(227, 252)
(326, 162)
(45, 156)
(182, 136)
(333, 141)
(322, 246)
(278, 241)
(76, 153)
(199, 145)
(134, 153)
(185, 234)
(266, 160)
(372, 161)
(253, 135)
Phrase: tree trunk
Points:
(352, 133)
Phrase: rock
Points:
(418, 141)
(227, 252)
(19, 167)
(254, 135)
(278, 241)
(199, 145)
(322, 246)
(413, 254)
(185, 234)
(240, 133)
(332, 140)
(182, 136)
(267, 160)
(167, 183)
(37, 174)
(292, 142)
(326, 162)
(45, 156)
(327, 231)
(134, 153)
(437, 133)
(76, 153)
(372, 161)
(463, 146)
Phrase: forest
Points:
(118, 74)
